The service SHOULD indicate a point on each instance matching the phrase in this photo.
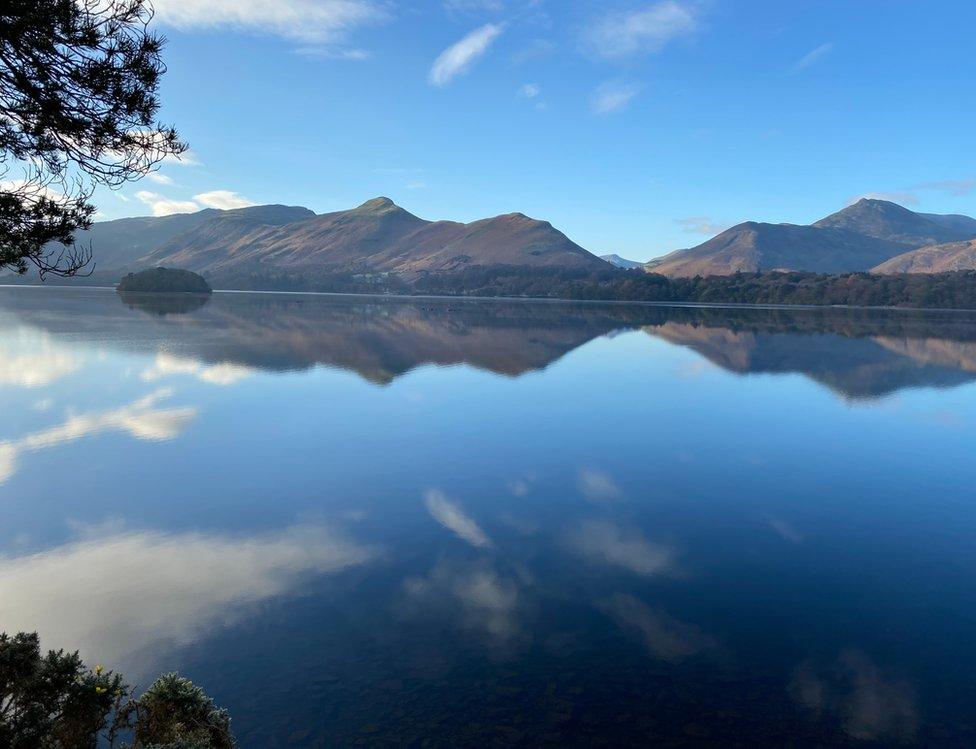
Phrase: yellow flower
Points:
(99, 668)
(100, 690)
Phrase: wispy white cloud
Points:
(187, 158)
(700, 225)
(812, 57)
(312, 21)
(644, 31)
(452, 517)
(157, 138)
(163, 206)
(458, 58)
(956, 187)
(473, 6)
(613, 96)
(160, 179)
(533, 50)
(529, 90)
(397, 170)
(223, 199)
(32, 191)
(334, 53)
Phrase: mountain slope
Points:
(125, 243)
(964, 225)
(754, 246)
(620, 262)
(889, 221)
(938, 258)
(117, 244)
(221, 232)
(376, 237)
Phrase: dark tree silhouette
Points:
(54, 701)
(78, 106)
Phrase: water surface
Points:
(443, 522)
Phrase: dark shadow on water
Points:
(164, 304)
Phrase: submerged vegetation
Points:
(55, 701)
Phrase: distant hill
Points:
(938, 258)
(123, 243)
(858, 238)
(891, 222)
(620, 262)
(755, 246)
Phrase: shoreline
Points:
(535, 300)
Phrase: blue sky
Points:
(635, 127)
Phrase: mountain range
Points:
(380, 242)
(864, 236)
(377, 237)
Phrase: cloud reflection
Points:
(475, 596)
(30, 361)
(119, 594)
(602, 541)
(664, 636)
(871, 703)
(140, 419)
(784, 530)
(597, 485)
(452, 517)
(166, 365)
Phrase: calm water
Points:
(432, 522)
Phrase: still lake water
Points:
(443, 522)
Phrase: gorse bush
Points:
(54, 701)
(175, 712)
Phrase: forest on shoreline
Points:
(954, 290)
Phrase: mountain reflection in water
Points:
(858, 354)
(450, 522)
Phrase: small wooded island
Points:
(164, 281)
